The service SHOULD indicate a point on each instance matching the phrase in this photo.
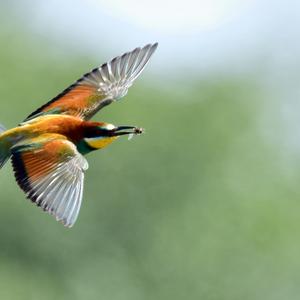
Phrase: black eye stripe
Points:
(96, 131)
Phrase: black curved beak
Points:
(128, 130)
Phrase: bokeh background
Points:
(206, 204)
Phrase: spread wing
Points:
(50, 171)
(99, 87)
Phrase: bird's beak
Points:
(124, 130)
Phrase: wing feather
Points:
(99, 87)
(51, 173)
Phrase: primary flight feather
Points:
(47, 149)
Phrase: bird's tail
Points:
(4, 147)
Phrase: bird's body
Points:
(73, 128)
(48, 148)
(69, 126)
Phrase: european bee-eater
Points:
(47, 149)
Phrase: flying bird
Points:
(47, 149)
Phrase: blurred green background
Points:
(205, 205)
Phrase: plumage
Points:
(50, 171)
(47, 149)
(100, 87)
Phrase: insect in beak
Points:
(129, 130)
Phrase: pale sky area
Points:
(255, 39)
(196, 35)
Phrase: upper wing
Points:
(50, 171)
(99, 87)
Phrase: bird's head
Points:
(103, 134)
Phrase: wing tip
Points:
(148, 47)
(64, 222)
(152, 46)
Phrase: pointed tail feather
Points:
(2, 128)
(4, 150)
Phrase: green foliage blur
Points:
(199, 207)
